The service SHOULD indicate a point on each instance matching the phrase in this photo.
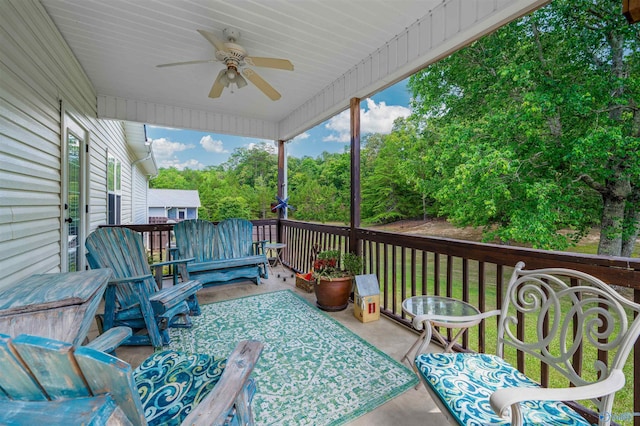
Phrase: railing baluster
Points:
(403, 275)
(577, 356)
(465, 295)
(413, 273)
(386, 276)
(378, 256)
(482, 306)
(394, 274)
(436, 274)
(425, 271)
(449, 288)
(499, 290)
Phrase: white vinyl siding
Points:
(37, 70)
(140, 185)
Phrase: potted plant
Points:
(334, 278)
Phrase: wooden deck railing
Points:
(409, 265)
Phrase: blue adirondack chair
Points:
(222, 253)
(46, 381)
(133, 298)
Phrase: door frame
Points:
(71, 124)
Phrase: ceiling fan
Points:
(235, 58)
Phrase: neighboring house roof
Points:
(173, 198)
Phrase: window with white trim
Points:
(114, 191)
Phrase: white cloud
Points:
(192, 164)
(164, 151)
(378, 118)
(211, 145)
(301, 136)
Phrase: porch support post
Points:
(354, 106)
(282, 184)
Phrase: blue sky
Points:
(182, 148)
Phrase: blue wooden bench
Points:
(577, 325)
(47, 382)
(222, 253)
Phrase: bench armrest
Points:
(258, 247)
(215, 407)
(511, 397)
(173, 262)
(110, 339)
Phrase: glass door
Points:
(73, 195)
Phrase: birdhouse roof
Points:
(367, 285)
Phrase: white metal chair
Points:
(573, 322)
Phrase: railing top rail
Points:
(143, 227)
(317, 227)
(621, 271)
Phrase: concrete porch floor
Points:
(413, 407)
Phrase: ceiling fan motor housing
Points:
(231, 34)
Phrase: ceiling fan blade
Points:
(173, 64)
(211, 37)
(281, 64)
(259, 82)
(216, 89)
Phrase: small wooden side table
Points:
(59, 306)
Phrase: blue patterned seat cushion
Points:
(171, 384)
(464, 383)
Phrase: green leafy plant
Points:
(331, 264)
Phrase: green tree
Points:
(387, 195)
(249, 164)
(214, 187)
(233, 207)
(535, 128)
(170, 178)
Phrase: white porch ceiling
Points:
(340, 49)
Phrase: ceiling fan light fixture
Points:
(240, 81)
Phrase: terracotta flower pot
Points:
(333, 295)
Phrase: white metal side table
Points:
(429, 312)
(277, 248)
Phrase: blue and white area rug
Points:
(313, 370)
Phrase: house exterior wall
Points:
(37, 72)
(139, 201)
(157, 212)
(181, 213)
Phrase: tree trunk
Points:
(632, 225)
(629, 243)
(615, 226)
(611, 227)
(614, 199)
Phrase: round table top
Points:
(438, 305)
(275, 245)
